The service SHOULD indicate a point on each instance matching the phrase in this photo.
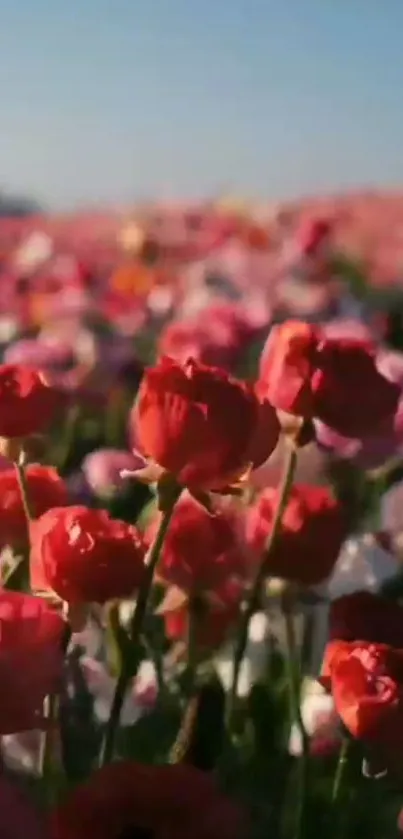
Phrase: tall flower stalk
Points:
(252, 603)
(127, 672)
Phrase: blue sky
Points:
(108, 100)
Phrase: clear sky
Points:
(108, 100)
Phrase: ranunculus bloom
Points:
(350, 393)
(287, 364)
(31, 659)
(84, 556)
(334, 380)
(27, 403)
(198, 423)
(45, 489)
(200, 550)
(131, 799)
(313, 530)
(366, 681)
(365, 616)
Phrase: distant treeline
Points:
(18, 206)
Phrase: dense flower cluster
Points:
(200, 533)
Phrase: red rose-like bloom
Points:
(365, 616)
(45, 489)
(366, 681)
(84, 556)
(198, 423)
(313, 531)
(27, 403)
(31, 659)
(200, 550)
(136, 800)
(350, 393)
(287, 364)
(334, 380)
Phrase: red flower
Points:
(19, 818)
(31, 659)
(200, 550)
(313, 531)
(267, 431)
(350, 393)
(45, 489)
(286, 367)
(364, 616)
(366, 681)
(335, 380)
(198, 423)
(84, 556)
(27, 403)
(312, 233)
(165, 802)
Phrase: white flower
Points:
(254, 661)
(102, 687)
(362, 565)
(392, 509)
(317, 709)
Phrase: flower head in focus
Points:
(84, 556)
(334, 380)
(199, 424)
(366, 681)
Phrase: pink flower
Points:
(103, 469)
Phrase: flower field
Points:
(201, 521)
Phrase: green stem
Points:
(194, 609)
(47, 750)
(62, 454)
(23, 486)
(293, 673)
(139, 614)
(50, 762)
(340, 810)
(252, 603)
(340, 771)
